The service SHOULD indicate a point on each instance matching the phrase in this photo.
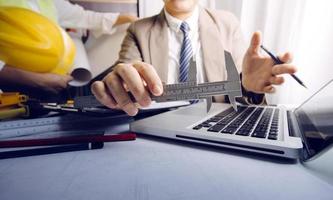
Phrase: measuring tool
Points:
(11, 99)
(76, 123)
(12, 105)
(189, 90)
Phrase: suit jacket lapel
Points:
(212, 47)
(159, 46)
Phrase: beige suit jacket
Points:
(147, 41)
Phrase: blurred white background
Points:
(303, 27)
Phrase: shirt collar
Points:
(175, 23)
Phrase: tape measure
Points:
(12, 105)
(11, 99)
(27, 127)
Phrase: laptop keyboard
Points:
(256, 122)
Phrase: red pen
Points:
(67, 140)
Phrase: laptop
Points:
(302, 133)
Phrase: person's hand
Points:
(259, 74)
(52, 82)
(44, 81)
(123, 19)
(139, 78)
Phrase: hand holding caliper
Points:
(260, 74)
(189, 90)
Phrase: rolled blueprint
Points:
(81, 71)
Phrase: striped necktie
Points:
(186, 53)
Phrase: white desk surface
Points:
(153, 168)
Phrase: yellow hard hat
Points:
(32, 42)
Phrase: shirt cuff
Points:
(2, 64)
(251, 98)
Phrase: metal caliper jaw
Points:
(234, 78)
(191, 90)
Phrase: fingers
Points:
(102, 94)
(113, 91)
(68, 78)
(115, 86)
(269, 89)
(286, 58)
(255, 43)
(283, 69)
(276, 80)
(132, 81)
(55, 83)
(62, 80)
(150, 76)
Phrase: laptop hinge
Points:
(295, 131)
(292, 124)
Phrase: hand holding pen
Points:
(277, 61)
(260, 74)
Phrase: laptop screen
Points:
(315, 118)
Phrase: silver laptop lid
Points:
(315, 120)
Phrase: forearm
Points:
(14, 76)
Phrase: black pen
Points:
(277, 61)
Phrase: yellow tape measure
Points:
(12, 99)
(11, 105)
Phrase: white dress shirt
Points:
(33, 5)
(75, 17)
(2, 64)
(175, 38)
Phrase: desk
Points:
(158, 169)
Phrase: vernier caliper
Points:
(190, 90)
